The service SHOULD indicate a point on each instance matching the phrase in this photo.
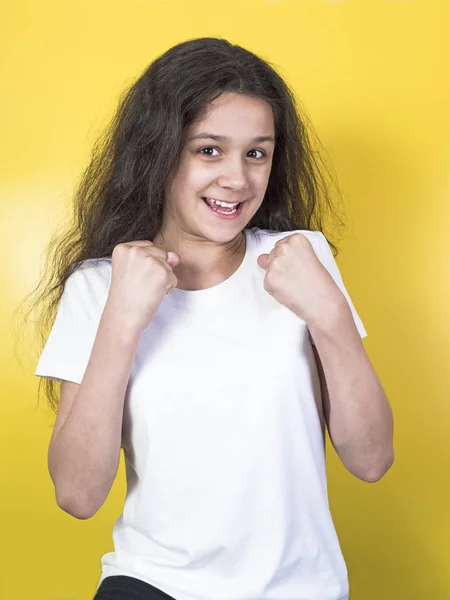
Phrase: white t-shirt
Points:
(223, 446)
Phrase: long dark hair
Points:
(120, 196)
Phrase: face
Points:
(227, 156)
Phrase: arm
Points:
(84, 451)
(356, 409)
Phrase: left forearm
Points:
(357, 411)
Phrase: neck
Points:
(203, 264)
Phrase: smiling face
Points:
(226, 156)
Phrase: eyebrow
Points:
(222, 138)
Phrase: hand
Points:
(296, 278)
(142, 274)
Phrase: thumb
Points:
(173, 259)
(262, 260)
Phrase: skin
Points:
(236, 170)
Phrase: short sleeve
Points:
(325, 255)
(68, 348)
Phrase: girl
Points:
(205, 329)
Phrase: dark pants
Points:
(121, 587)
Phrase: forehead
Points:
(236, 116)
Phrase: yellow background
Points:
(374, 78)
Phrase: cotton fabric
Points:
(223, 445)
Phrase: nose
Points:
(233, 175)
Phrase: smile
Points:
(223, 210)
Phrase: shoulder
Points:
(267, 238)
(91, 276)
(93, 267)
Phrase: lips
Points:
(220, 200)
(232, 214)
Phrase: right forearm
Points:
(84, 454)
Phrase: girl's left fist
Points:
(296, 278)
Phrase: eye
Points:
(202, 151)
(207, 148)
(256, 150)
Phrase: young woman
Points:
(204, 328)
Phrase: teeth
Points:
(224, 204)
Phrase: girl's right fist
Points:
(142, 274)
